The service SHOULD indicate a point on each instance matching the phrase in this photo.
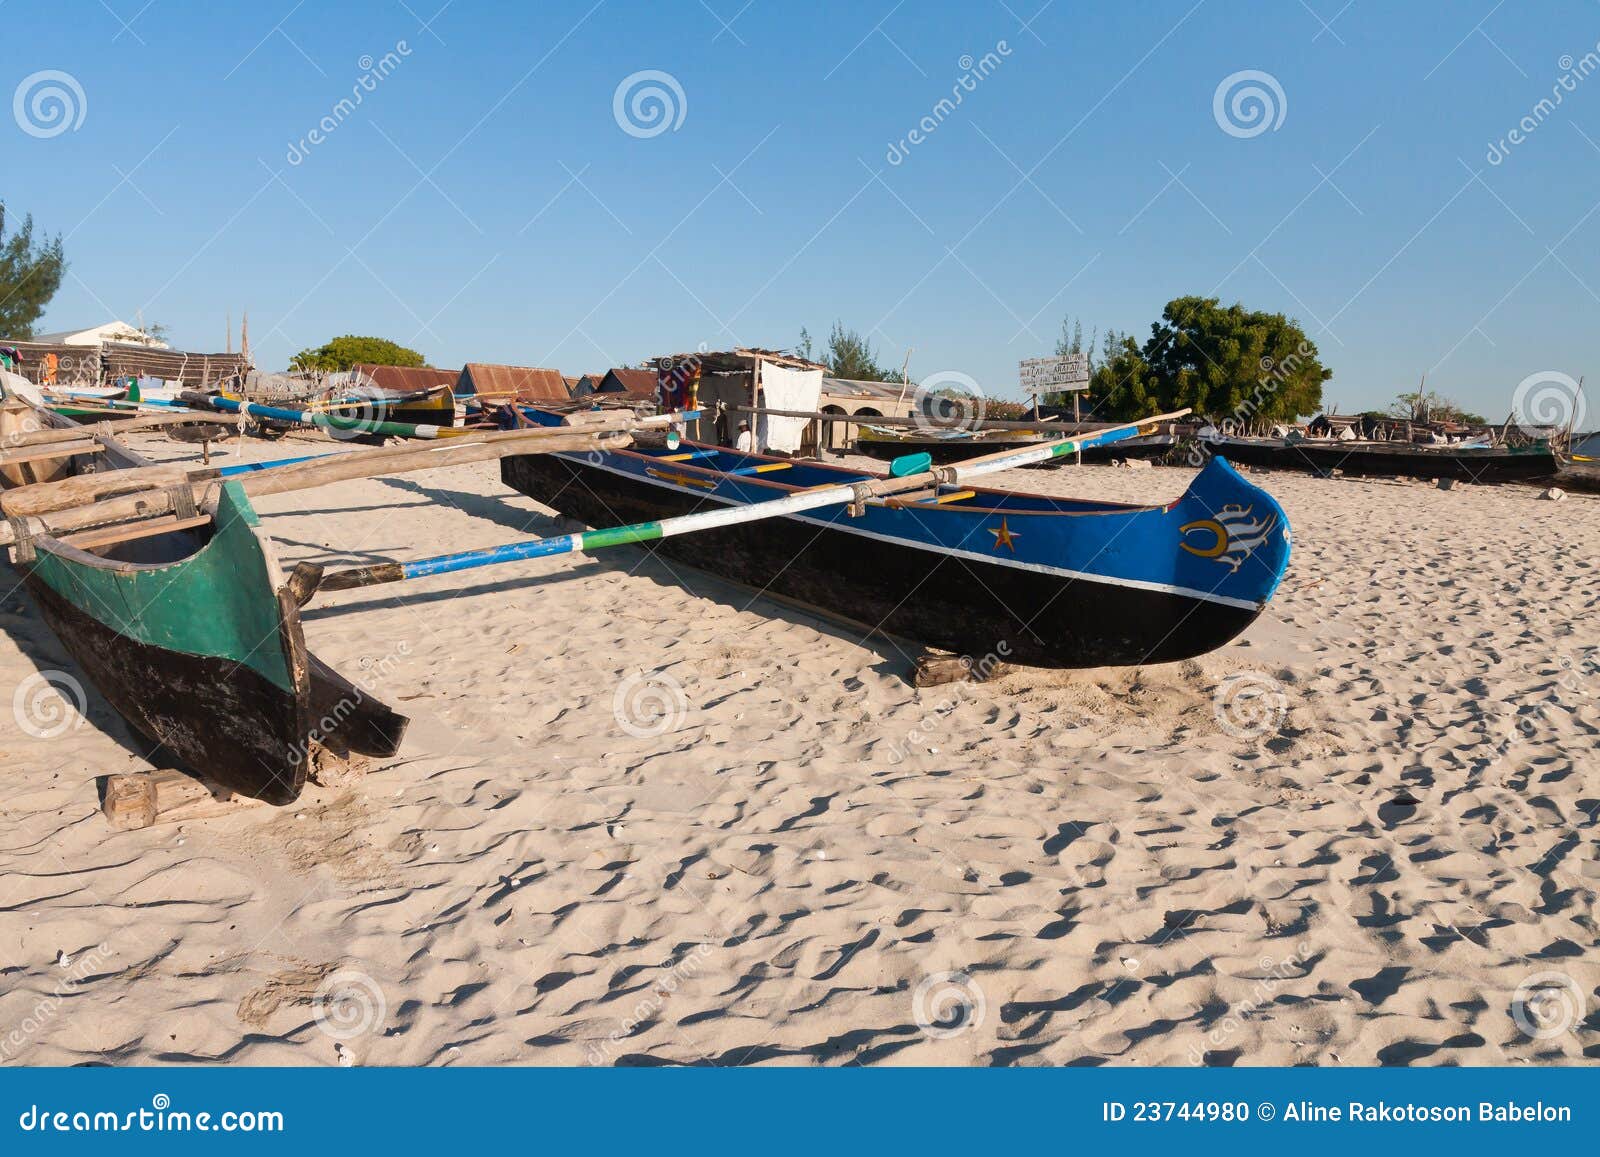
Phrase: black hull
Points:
(1466, 465)
(943, 451)
(219, 718)
(897, 588)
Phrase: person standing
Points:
(745, 443)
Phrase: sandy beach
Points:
(642, 817)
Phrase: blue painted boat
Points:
(1036, 580)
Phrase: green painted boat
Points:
(193, 635)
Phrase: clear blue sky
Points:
(483, 203)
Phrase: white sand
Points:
(787, 874)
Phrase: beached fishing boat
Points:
(160, 582)
(434, 406)
(186, 625)
(1470, 463)
(1043, 581)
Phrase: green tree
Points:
(1072, 341)
(343, 352)
(1228, 364)
(30, 274)
(849, 355)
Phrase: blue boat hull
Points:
(1028, 579)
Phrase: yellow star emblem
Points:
(1004, 536)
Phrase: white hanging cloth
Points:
(784, 388)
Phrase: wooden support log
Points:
(934, 668)
(128, 531)
(143, 799)
(44, 454)
(44, 436)
(47, 514)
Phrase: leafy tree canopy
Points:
(30, 274)
(849, 355)
(1229, 364)
(343, 352)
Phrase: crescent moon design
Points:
(1216, 528)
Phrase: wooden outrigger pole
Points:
(909, 473)
(121, 495)
(335, 424)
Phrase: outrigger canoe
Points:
(192, 632)
(161, 583)
(1041, 581)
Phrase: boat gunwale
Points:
(1116, 508)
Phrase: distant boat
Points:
(959, 445)
(360, 397)
(1465, 462)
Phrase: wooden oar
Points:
(909, 476)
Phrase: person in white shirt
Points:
(745, 444)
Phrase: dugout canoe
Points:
(1390, 459)
(192, 634)
(1036, 580)
(887, 445)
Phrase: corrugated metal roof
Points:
(635, 381)
(407, 379)
(502, 383)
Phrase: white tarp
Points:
(783, 388)
(15, 385)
